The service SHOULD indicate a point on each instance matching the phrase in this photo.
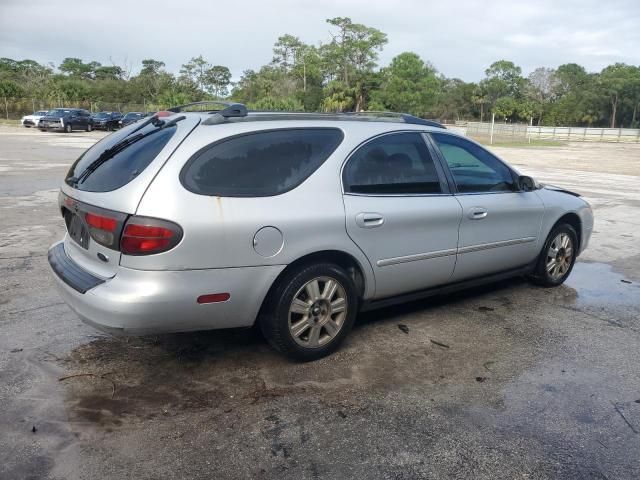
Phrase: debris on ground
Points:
(16, 350)
(485, 309)
(403, 327)
(34, 429)
(481, 379)
(440, 344)
(625, 281)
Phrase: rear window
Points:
(259, 164)
(112, 163)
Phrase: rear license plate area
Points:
(77, 230)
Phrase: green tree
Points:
(613, 82)
(194, 72)
(217, 80)
(9, 89)
(408, 84)
(108, 73)
(352, 55)
(503, 79)
(286, 104)
(505, 107)
(75, 67)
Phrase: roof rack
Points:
(239, 111)
(405, 117)
(231, 109)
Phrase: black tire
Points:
(67, 128)
(274, 319)
(541, 275)
(89, 127)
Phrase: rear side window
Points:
(396, 164)
(259, 164)
(118, 158)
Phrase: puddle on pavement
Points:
(477, 333)
(600, 291)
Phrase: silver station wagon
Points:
(226, 218)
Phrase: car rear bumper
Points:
(137, 302)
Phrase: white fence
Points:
(573, 134)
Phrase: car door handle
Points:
(478, 213)
(369, 220)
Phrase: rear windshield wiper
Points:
(109, 153)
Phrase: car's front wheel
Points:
(310, 311)
(557, 257)
(89, 127)
(67, 128)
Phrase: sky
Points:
(460, 38)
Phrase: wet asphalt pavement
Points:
(507, 381)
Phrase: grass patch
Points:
(4, 121)
(520, 143)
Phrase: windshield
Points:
(132, 115)
(119, 158)
(101, 115)
(40, 112)
(58, 112)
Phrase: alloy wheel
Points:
(317, 312)
(559, 256)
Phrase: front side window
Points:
(474, 169)
(259, 164)
(392, 164)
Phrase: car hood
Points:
(560, 189)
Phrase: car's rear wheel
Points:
(310, 311)
(557, 257)
(67, 128)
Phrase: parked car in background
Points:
(67, 120)
(130, 118)
(33, 119)
(106, 120)
(194, 221)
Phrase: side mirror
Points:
(527, 184)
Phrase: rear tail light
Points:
(101, 228)
(146, 236)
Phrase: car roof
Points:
(237, 112)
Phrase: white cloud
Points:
(460, 38)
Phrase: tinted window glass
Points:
(398, 163)
(260, 164)
(99, 171)
(474, 169)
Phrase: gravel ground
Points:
(507, 381)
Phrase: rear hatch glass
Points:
(120, 157)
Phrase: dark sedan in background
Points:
(131, 117)
(67, 120)
(106, 120)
